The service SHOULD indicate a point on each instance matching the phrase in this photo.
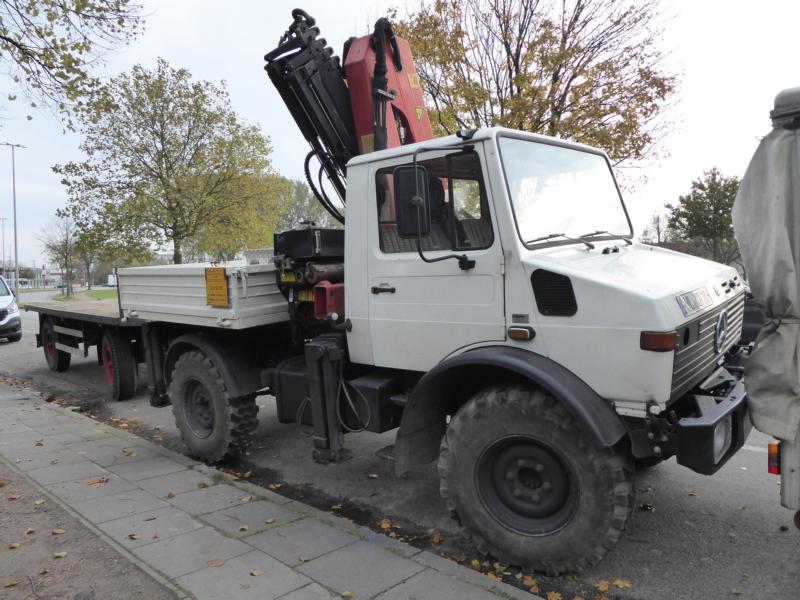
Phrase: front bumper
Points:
(696, 433)
(10, 326)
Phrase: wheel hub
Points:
(199, 410)
(526, 485)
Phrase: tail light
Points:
(774, 458)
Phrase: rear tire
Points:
(529, 486)
(213, 425)
(119, 365)
(57, 360)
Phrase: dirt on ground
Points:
(47, 554)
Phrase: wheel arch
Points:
(447, 386)
(241, 373)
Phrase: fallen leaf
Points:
(10, 583)
(336, 507)
(302, 558)
(437, 539)
(50, 398)
(243, 527)
(131, 510)
(170, 495)
(13, 545)
(96, 482)
(256, 573)
(692, 492)
(201, 485)
(248, 475)
(57, 531)
(348, 594)
(2, 483)
(54, 461)
(156, 536)
(622, 584)
(475, 564)
(14, 497)
(554, 596)
(215, 562)
(133, 536)
(128, 452)
(39, 443)
(59, 554)
(269, 521)
(29, 531)
(528, 581)
(247, 498)
(579, 598)
(274, 486)
(392, 535)
(743, 468)
(149, 519)
(385, 524)
(372, 475)
(43, 572)
(647, 507)
(736, 591)
(602, 585)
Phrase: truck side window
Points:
(459, 207)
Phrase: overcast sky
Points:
(732, 57)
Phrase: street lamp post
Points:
(14, 196)
(3, 242)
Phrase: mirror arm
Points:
(464, 263)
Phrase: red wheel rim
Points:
(49, 345)
(108, 364)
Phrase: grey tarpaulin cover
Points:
(766, 219)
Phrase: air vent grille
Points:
(554, 294)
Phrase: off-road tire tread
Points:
(527, 401)
(242, 412)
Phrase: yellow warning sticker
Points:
(367, 143)
(216, 287)
(420, 111)
(413, 80)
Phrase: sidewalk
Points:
(204, 535)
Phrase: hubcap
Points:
(526, 485)
(199, 410)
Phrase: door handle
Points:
(383, 289)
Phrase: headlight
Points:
(722, 438)
(13, 308)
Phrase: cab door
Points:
(419, 312)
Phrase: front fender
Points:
(424, 418)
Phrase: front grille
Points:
(695, 355)
(3, 314)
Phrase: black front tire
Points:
(529, 486)
(213, 425)
(14, 338)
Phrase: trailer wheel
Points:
(57, 360)
(528, 484)
(119, 365)
(213, 425)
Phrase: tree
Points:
(703, 216)
(167, 159)
(49, 47)
(656, 230)
(58, 241)
(298, 206)
(586, 70)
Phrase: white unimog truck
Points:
(488, 297)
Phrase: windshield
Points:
(557, 190)
(4, 291)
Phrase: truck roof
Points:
(481, 134)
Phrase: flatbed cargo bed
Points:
(104, 312)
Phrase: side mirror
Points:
(413, 210)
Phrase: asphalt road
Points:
(724, 536)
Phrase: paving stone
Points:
(149, 527)
(177, 483)
(63, 473)
(313, 591)
(432, 585)
(252, 515)
(190, 552)
(453, 569)
(362, 568)
(209, 499)
(114, 506)
(387, 543)
(176, 456)
(308, 538)
(73, 492)
(233, 581)
(19, 441)
(37, 460)
(62, 438)
(147, 468)
(116, 455)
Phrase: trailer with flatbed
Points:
(486, 297)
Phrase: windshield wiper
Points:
(555, 235)
(604, 232)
